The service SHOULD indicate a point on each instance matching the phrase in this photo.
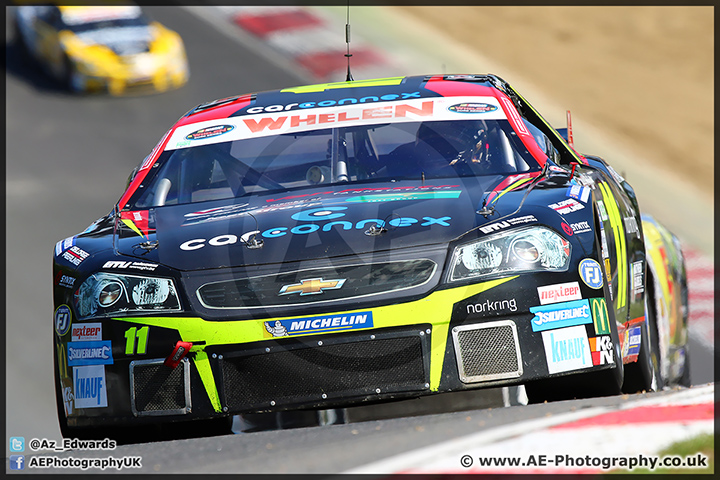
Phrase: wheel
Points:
(644, 375)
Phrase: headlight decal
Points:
(113, 294)
(522, 250)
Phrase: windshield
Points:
(388, 152)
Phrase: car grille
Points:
(357, 281)
(487, 351)
(312, 371)
(159, 390)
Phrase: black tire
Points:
(644, 375)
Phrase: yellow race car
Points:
(117, 49)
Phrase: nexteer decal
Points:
(560, 315)
(561, 292)
(322, 213)
(330, 103)
(86, 332)
(567, 349)
(327, 323)
(329, 117)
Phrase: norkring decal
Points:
(209, 132)
(320, 324)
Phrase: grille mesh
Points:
(487, 352)
(358, 280)
(302, 374)
(158, 388)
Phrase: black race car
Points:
(338, 244)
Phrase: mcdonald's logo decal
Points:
(601, 320)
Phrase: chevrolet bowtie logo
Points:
(311, 286)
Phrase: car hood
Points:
(293, 226)
(121, 40)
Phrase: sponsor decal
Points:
(591, 273)
(325, 116)
(63, 280)
(472, 108)
(567, 349)
(601, 320)
(133, 265)
(320, 324)
(510, 222)
(581, 227)
(62, 320)
(494, 306)
(578, 193)
(209, 132)
(607, 270)
(394, 197)
(566, 206)
(90, 353)
(567, 229)
(560, 315)
(63, 245)
(561, 292)
(89, 386)
(313, 215)
(68, 399)
(86, 332)
(637, 273)
(631, 225)
(634, 340)
(75, 255)
(312, 286)
(330, 103)
(603, 244)
(353, 191)
(603, 213)
(601, 349)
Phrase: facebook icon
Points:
(17, 462)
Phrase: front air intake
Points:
(487, 351)
(156, 389)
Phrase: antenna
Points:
(349, 77)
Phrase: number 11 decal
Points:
(141, 335)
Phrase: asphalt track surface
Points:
(67, 160)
